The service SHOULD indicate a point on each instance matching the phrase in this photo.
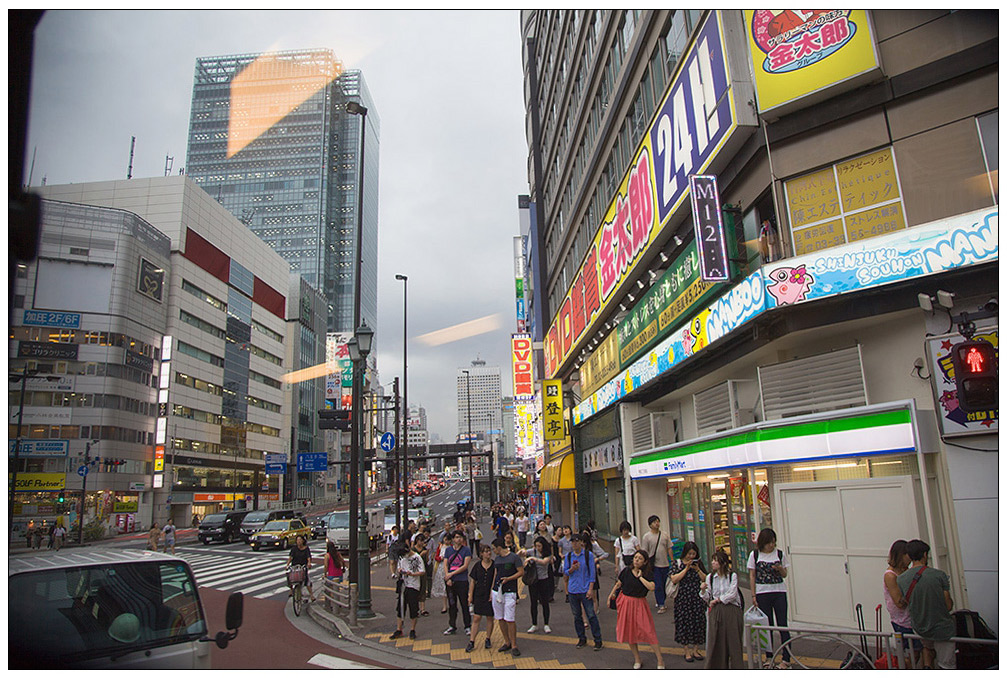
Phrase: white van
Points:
(338, 525)
(90, 609)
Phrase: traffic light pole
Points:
(83, 492)
(17, 451)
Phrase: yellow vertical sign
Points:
(552, 409)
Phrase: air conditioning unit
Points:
(655, 429)
(818, 383)
(717, 408)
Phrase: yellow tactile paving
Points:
(478, 656)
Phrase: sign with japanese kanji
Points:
(521, 356)
(552, 409)
(801, 56)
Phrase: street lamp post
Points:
(468, 404)
(359, 347)
(404, 439)
(88, 462)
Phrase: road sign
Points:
(308, 462)
(82, 471)
(276, 464)
(388, 442)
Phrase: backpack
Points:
(968, 624)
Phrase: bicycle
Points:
(296, 577)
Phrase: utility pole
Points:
(472, 475)
(399, 510)
(86, 466)
(17, 451)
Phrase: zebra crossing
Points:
(259, 575)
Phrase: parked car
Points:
(280, 533)
(256, 520)
(225, 527)
(108, 609)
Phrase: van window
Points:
(339, 521)
(215, 519)
(256, 517)
(66, 616)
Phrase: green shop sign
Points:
(675, 294)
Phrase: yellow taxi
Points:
(280, 533)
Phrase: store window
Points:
(855, 199)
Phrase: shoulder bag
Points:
(670, 588)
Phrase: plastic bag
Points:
(763, 637)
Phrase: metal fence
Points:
(887, 644)
(340, 598)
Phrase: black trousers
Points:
(458, 593)
(541, 593)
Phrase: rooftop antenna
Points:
(169, 160)
(129, 171)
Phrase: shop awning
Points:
(557, 475)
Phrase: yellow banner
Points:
(800, 52)
(552, 409)
(40, 482)
(125, 507)
(601, 366)
(868, 180)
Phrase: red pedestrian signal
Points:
(975, 364)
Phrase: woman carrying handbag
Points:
(720, 591)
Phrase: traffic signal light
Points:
(61, 499)
(334, 419)
(975, 364)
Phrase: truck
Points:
(339, 524)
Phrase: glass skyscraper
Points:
(270, 140)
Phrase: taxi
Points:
(280, 533)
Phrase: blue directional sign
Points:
(308, 462)
(276, 464)
(388, 442)
(82, 471)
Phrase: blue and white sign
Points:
(82, 471)
(308, 462)
(41, 448)
(276, 464)
(388, 442)
(51, 319)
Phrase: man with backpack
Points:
(928, 593)
(579, 573)
(456, 577)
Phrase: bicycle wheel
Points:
(297, 600)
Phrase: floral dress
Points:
(690, 610)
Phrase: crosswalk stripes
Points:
(261, 576)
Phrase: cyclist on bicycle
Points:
(300, 556)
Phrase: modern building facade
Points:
(479, 399)
(271, 141)
(88, 321)
(223, 352)
(808, 391)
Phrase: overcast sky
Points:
(447, 87)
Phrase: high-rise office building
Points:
(270, 139)
(479, 399)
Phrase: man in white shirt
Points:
(411, 567)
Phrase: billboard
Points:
(521, 359)
(552, 409)
(798, 54)
(694, 122)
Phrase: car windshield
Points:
(339, 520)
(277, 525)
(215, 519)
(65, 616)
(256, 517)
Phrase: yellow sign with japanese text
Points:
(552, 409)
(40, 482)
(800, 52)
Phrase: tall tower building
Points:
(271, 141)
(479, 396)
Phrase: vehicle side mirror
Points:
(235, 610)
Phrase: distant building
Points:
(270, 140)
(479, 399)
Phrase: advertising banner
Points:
(952, 419)
(601, 365)
(521, 357)
(40, 448)
(127, 506)
(942, 245)
(694, 121)
(552, 409)
(679, 291)
(40, 482)
(51, 319)
(47, 349)
(797, 53)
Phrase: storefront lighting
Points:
(826, 466)
(884, 463)
(716, 486)
(676, 480)
(722, 475)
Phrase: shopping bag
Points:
(670, 589)
(763, 637)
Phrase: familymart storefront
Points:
(838, 488)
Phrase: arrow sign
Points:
(82, 471)
(388, 442)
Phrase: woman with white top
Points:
(726, 623)
(767, 568)
(625, 546)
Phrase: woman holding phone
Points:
(690, 609)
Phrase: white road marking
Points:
(330, 662)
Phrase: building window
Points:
(988, 124)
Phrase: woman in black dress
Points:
(480, 579)
(690, 608)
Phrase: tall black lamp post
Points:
(472, 475)
(359, 348)
(404, 435)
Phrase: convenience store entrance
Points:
(715, 511)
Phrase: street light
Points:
(404, 435)
(359, 346)
(472, 476)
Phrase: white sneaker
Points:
(533, 629)
(547, 629)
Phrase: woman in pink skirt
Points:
(634, 622)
